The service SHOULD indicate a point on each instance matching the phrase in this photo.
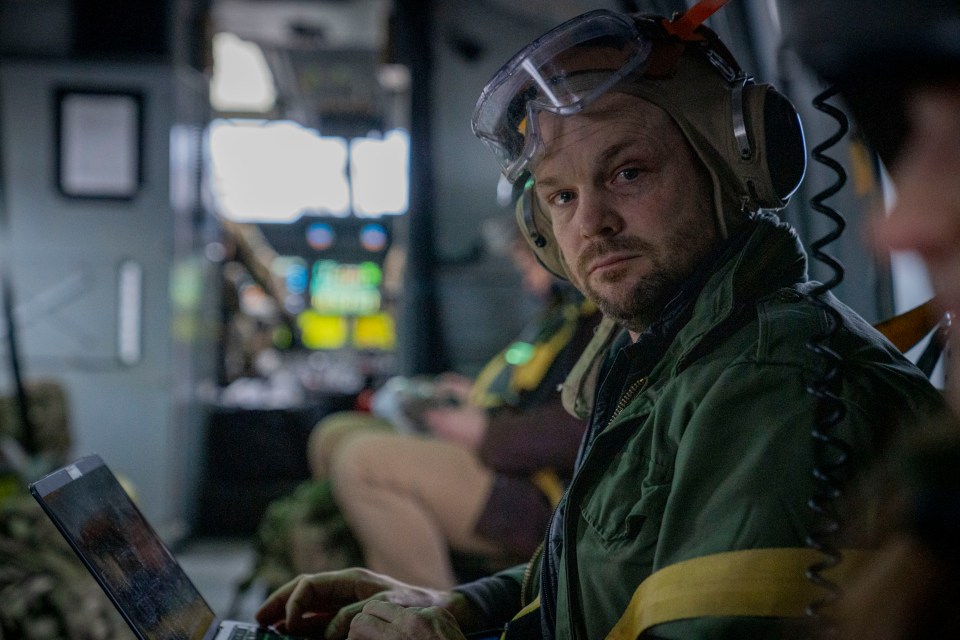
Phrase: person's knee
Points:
(321, 442)
(328, 435)
(356, 463)
(362, 482)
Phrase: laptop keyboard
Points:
(252, 633)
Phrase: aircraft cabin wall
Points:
(113, 298)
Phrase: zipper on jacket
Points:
(627, 397)
(573, 592)
(528, 574)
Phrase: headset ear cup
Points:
(538, 232)
(786, 148)
(780, 155)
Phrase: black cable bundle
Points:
(830, 452)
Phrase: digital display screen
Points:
(345, 308)
(332, 274)
(345, 289)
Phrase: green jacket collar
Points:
(771, 258)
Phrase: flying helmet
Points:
(747, 134)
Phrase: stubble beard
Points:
(671, 266)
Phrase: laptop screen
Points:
(123, 552)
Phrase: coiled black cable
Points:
(830, 452)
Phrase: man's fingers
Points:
(309, 625)
(339, 626)
(303, 605)
(308, 603)
(387, 620)
(381, 609)
(273, 608)
(309, 606)
(375, 620)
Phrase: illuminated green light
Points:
(370, 274)
(518, 353)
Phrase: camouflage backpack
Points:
(303, 532)
(45, 592)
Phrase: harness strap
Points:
(750, 583)
(527, 376)
(550, 484)
(526, 624)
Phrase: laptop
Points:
(128, 559)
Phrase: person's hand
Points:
(464, 425)
(324, 604)
(455, 385)
(386, 621)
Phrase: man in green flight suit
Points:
(654, 161)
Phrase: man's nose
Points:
(598, 215)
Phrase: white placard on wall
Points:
(99, 144)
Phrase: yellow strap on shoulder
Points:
(479, 392)
(550, 484)
(531, 609)
(750, 583)
(527, 376)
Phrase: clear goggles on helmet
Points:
(550, 74)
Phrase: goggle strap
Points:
(684, 26)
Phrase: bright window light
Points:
(241, 78)
(379, 170)
(275, 171)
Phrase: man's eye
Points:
(564, 197)
(631, 173)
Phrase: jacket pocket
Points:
(620, 508)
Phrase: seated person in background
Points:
(897, 66)
(687, 515)
(483, 472)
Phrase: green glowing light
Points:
(518, 353)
